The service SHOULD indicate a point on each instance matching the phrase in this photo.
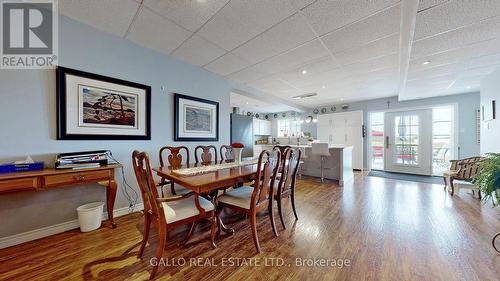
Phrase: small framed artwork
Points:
(489, 111)
(195, 119)
(96, 107)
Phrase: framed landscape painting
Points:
(195, 119)
(95, 107)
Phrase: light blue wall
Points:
(468, 104)
(28, 119)
(490, 130)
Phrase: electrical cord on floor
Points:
(132, 199)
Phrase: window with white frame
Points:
(288, 128)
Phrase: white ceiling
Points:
(249, 104)
(351, 49)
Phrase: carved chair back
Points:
(267, 168)
(289, 175)
(175, 157)
(226, 153)
(282, 149)
(206, 155)
(142, 169)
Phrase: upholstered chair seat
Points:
(185, 208)
(240, 197)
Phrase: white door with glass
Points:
(408, 141)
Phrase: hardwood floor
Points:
(381, 229)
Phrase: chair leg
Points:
(145, 237)
(292, 198)
(190, 233)
(162, 239)
(452, 187)
(271, 217)
(479, 194)
(445, 183)
(253, 224)
(280, 211)
(213, 223)
(172, 188)
(219, 222)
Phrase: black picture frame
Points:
(61, 106)
(177, 97)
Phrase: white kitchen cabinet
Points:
(344, 128)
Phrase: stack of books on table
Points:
(82, 160)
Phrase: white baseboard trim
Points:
(31, 235)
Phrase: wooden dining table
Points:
(207, 182)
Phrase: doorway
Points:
(408, 140)
(414, 141)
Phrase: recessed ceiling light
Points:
(426, 62)
(323, 87)
(304, 72)
(341, 99)
(246, 102)
(468, 87)
(201, 1)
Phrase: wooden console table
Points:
(54, 178)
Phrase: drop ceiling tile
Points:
(251, 73)
(277, 40)
(327, 15)
(438, 71)
(454, 14)
(458, 38)
(370, 29)
(227, 64)
(271, 84)
(153, 31)
(198, 51)
(190, 14)
(300, 4)
(426, 4)
(97, 13)
(488, 60)
(296, 57)
(378, 63)
(378, 48)
(313, 68)
(478, 72)
(241, 20)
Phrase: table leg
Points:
(110, 198)
(221, 225)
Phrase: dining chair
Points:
(250, 200)
(226, 153)
(285, 187)
(175, 159)
(168, 213)
(206, 154)
(282, 149)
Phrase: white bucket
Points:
(90, 216)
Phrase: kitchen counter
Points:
(337, 166)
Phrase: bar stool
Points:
(322, 150)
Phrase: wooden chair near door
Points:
(285, 188)
(207, 156)
(250, 200)
(174, 159)
(168, 213)
(466, 171)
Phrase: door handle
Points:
(386, 141)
